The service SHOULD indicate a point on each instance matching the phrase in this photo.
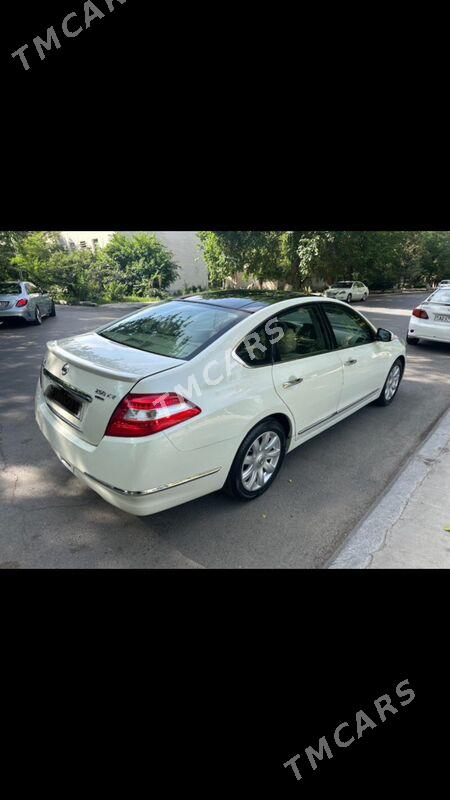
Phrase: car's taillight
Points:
(145, 414)
(419, 312)
(21, 303)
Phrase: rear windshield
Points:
(342, 285)
(442, 296)
(176, 329)
(10, 288)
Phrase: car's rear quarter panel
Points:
(240, 398)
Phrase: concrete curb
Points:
(369, 536)
(405, 293)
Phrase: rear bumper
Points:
(16, 313)
(139, 476)
(424, 329)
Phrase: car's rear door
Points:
(365, 361)
(307, 372)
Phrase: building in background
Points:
(183, 244)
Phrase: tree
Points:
(366, 255)
(139, 263)
(10, 242)
(258, 254)
(74, 276)
(33, 256)
(432, 256)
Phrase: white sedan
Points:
(431, 320)
(208, 392)
(348, 291)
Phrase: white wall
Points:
(183, 245)
(76, 237)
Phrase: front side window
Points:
(350, 330)
(301, 334)
(176, 329)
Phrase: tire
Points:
(53, 311)
(386, 397)
(37, 317)
(412, 340)
(364, 298)
(244, 462)
(349, 299)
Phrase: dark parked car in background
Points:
(24, 300)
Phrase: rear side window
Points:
(256, 349)
(10, 288)
(175, 329)
(350, 330)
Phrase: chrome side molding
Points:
(376, 392)
(147, 492)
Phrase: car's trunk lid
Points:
(439, 310)
(8, 300)
(84, 378)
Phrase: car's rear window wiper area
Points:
(175, 329)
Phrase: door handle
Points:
(351, 362)
(292, 382)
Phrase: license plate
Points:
(58, 395)
(442, 317)
(4, 303)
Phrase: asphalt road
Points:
(50, 519)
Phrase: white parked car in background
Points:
(348, 291)
(431, 320)
(208, 392)
(444, 284)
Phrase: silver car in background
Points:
(23, 300)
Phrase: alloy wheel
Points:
(393, 382)
(260, 461)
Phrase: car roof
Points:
(245, 300)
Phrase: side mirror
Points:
(383, 335)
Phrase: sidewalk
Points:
(406, 529)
